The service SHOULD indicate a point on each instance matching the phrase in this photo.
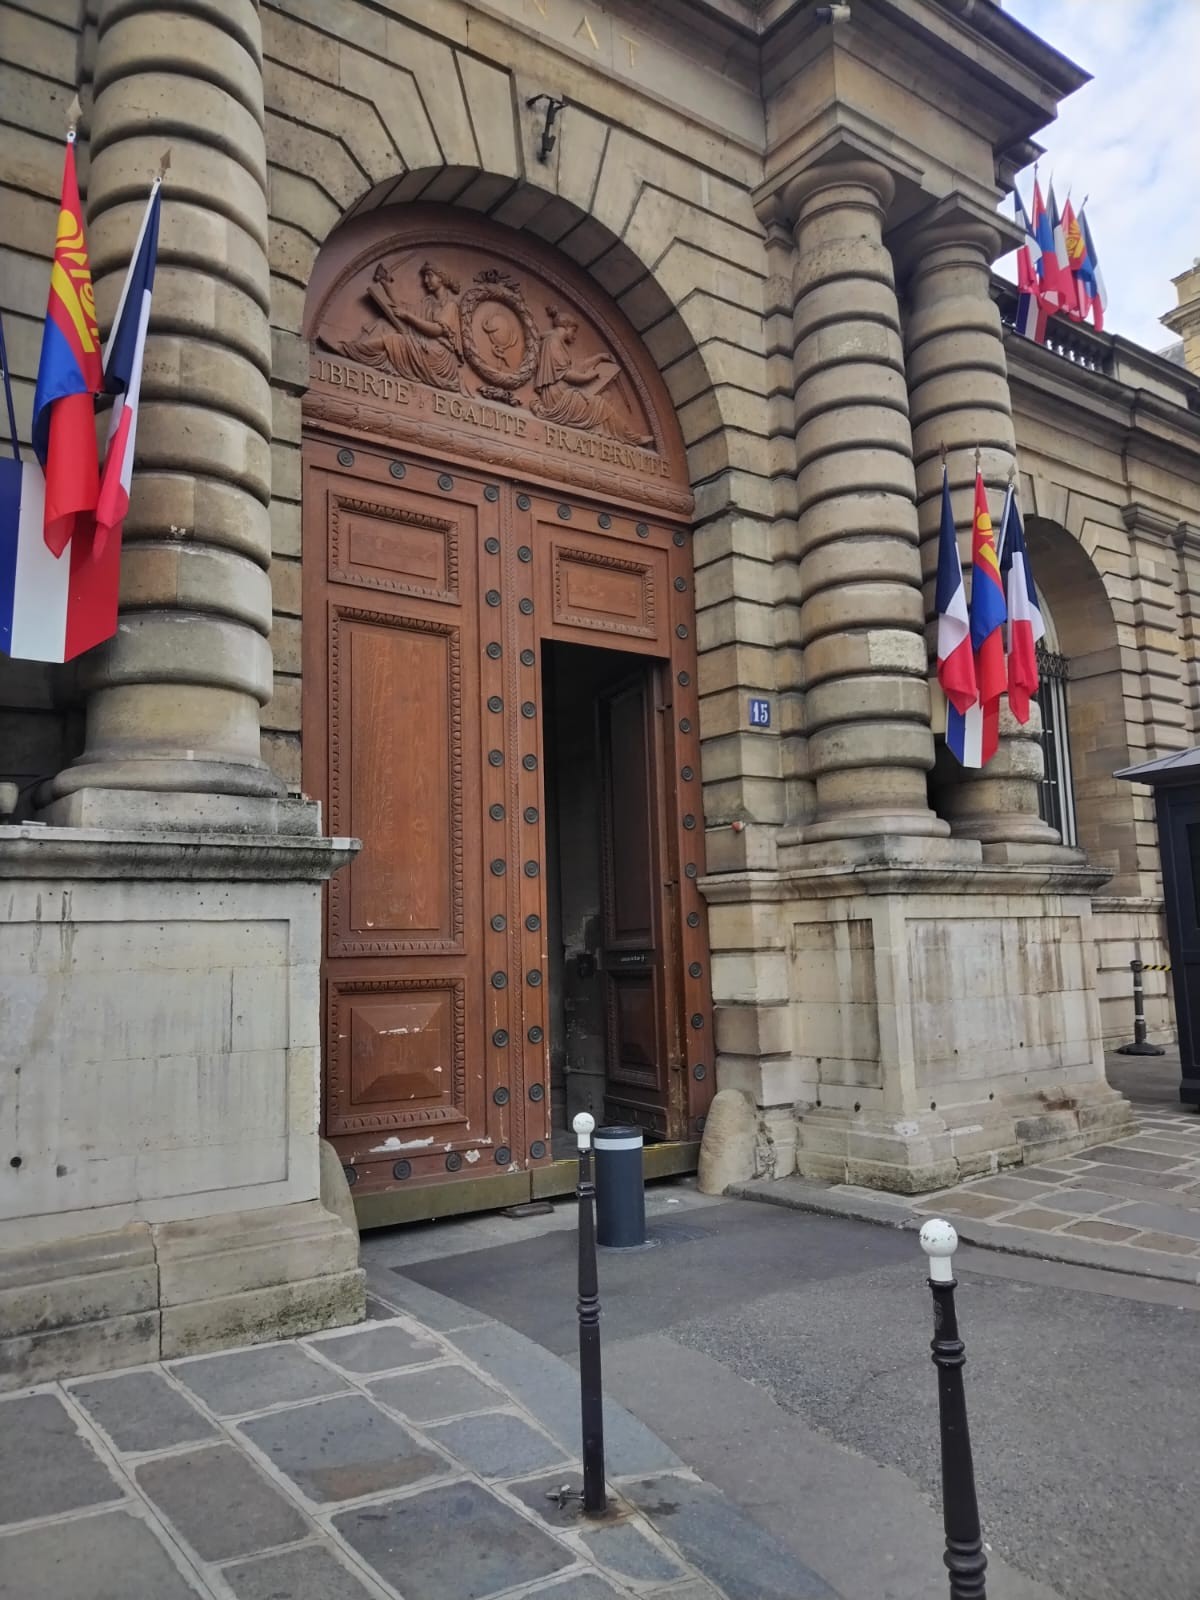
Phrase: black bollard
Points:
(1141, 1045)
(591, 1393)
(964, 1558)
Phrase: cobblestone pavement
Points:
(411, 1458)
(1129, 1206)
(1141, 1194)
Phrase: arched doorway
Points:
(500, 701)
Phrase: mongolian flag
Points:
(955, 659)
(1025, 624)
(974, 735)
(69, 377)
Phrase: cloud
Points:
(1127, 140)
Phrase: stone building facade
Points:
(538, 479)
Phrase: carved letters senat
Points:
(343, 940)
(339, 1088)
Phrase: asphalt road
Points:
(785, 1357)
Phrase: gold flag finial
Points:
(164, 164)
(978, 458)
(942, 448)
(74, 112)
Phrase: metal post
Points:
(591, 1394)
(964, 1558)
(1140, 1045)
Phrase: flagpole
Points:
(8, 396)
(1008, 499)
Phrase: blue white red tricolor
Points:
(1057, 271)
(1025, 623)
(58, 596)
(955, 658)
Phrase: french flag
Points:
(955, 658)
(123, 358)
(1031, 316)
(1025, 624)
(1029, 254)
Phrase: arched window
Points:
(1056, 795)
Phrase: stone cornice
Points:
(29, 850)
(1139, 518)
(907, 878)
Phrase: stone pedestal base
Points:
(160, 1177)
(911, 1014)
(911, 1155)
(147, 1292)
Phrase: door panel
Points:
(641, 1060)
(392, 625)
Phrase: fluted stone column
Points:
(959, 397)
(173, 700)
(861, 623)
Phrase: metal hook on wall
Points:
(549, 138)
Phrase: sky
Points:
(1129, 140)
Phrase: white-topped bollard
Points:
(939, 1242)
(964, 1558)
(591, 1393)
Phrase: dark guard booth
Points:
(1175, 780)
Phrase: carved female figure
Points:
(573, 394)
(423, 343)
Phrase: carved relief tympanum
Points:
(460, 348)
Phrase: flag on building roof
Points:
(1047, 261)
(1089, 278)
(1025, 623)
(1068, 300)
(1028, 254)
(974, 735)
(69, 377)
(955, 658)
(1031, 316)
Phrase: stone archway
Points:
(1086, 634)
(492, 471)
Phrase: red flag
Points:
(69, 378)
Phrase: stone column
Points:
(959, 397)
(861, 622)
(173, 701)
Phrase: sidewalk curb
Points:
(800, 1194)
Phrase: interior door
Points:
(642, 1076)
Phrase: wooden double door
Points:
(430, 595)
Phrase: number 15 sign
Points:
(760, 713)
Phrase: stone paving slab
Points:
(46, 1466)
(435, 1393)
(296, 1471)
(342, 1449)
(111, 1557)
(309, 1573)
(140, 1411)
